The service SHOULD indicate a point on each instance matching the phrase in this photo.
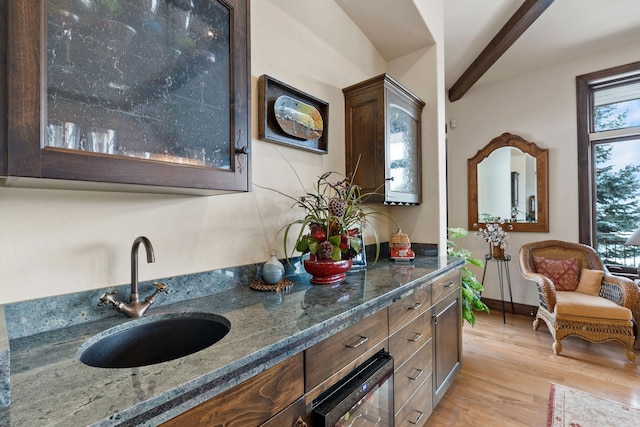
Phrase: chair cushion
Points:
(562, 272)
(583, 305)
(590, 282)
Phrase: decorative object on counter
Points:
(471, 287)
(261, 285)
(335, 220)
(400, 247)
(291, 117)
(327, 271)
(495, 235)
(272, 270)
(272, 277)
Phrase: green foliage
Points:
(617, 190)
(471, 288)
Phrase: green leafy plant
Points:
(471, 287)
(334, 218)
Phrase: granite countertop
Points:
(50, 387)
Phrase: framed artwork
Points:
(290, 117)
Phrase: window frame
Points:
(585, 84)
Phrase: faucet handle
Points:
(106, 298)
(160, 287)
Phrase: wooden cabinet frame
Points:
(27, 118)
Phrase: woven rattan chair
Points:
(574, 313)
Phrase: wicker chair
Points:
(586, 316)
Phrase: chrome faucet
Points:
(135, 308)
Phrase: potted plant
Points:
(471, 287)
(495, 235)
(331, 227)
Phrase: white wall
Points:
(61, 241)
(540, 106)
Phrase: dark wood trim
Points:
(3, 86)
(584, 103)
(508, 34)
(495, 305)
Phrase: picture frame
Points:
(291, 117)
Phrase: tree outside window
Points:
(617, 178)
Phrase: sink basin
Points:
(154, 339)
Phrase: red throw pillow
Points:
(562, 272)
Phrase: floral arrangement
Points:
(494, 233)
(334, 219)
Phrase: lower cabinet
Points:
(447, 348)
(255, 401)
(422, 331)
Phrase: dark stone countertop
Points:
(50, 387)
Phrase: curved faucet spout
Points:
(134, 264)
(135, 308)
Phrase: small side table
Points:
(503, 270)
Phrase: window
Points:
(609, 163)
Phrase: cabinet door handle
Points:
(417, 420)
(418, 374)
(361, 341)
(389, 179)
(416, 337)
(448, 285)
(415, 306)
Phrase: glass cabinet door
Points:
(402, 146)
(155, 91)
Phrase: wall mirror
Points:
(508, 179)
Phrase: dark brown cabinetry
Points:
(383, 131)
(276, 392)
(128, 92)
(421, 330)
(447, 333)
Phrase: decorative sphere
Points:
(272, 270)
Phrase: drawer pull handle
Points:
(361, 341)
(418, 374)
(417, 420)
(416, 337)
(448, 285)
(415, 306)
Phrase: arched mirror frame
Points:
(542, 182)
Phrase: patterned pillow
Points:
(562, 272)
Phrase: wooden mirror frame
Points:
(542, 181)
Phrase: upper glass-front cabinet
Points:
(151, 92)
(383, 133)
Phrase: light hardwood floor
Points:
(507, 370)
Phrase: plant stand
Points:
(503, 271)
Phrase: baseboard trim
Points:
(495, 305)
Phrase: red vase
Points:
(326, 272)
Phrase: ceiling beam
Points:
(512, 30)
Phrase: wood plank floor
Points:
(507, 370)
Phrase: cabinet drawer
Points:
(292, 416)
(417, 409)
(410, 338)
(328, 356)
(251, 402)
(412, 375)
(408, 308)
(444, 285)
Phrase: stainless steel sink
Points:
(154, 339)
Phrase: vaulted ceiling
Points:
(568, 29)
